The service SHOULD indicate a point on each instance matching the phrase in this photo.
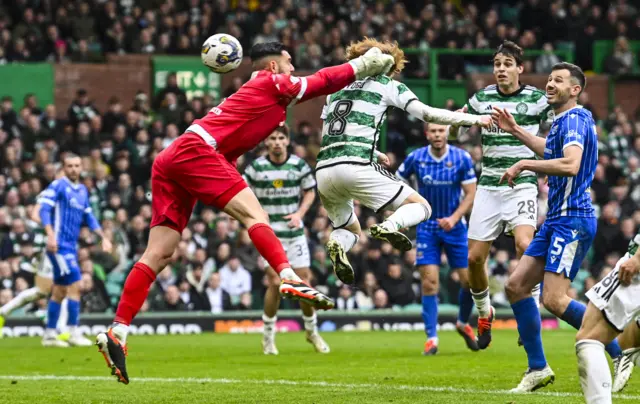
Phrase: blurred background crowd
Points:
(216, 267)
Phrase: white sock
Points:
(269, 325)
(407, 215)
(289, 273)
(121, 331)
(434, 339)
(50, 333)
(310, 323)
(64, 316)
(593, 369)
(73, 330)
(22, 299)
(483, 302)
(345, 238)
(535, 292)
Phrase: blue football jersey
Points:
(439, 180)
(570, 196)
(65, 206)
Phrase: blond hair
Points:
(357, 49)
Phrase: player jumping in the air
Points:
(278, 179)
(614, 309)
(497, 207)
(348, 166)
(200, 165)
(64, 208)
(442, 173)
(570, 154)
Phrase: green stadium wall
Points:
(17, 80)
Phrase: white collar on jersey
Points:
(561, 114)
(74, 186)
(439, 159)
(254, 74)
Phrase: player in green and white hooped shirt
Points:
(44, 274)
(613, 311)
(348, 166)
(497, 207)
(279, 180)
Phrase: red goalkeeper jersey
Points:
(247, 117)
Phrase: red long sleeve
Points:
(328, 81)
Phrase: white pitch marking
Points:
(445, 389)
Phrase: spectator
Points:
(365, 295)
(234, 279)
(218, 299)
(397, 284)
(81, 109)
(621, 60)
(380, 299)
(545, 62)
(346, 300)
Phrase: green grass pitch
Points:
(363, 367)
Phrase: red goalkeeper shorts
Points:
(185, 172)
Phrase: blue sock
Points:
(465, 300)
(573, 316)
(53, 314)
(73, 307)
(430, 315)
(529, 327)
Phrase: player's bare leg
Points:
(340, 242)
(245, 208)
(479, 283)
(593, 368)
(464, 311)
(629, 342)
(528, 273)
(413, 210)
(162, 243)
(430, 276)
(40, 290)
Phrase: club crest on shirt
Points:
(522, 108)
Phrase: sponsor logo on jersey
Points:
(428, 180)
(278, 183)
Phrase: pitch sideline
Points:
(301, 383)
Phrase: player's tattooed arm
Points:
(445, 117)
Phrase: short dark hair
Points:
(284, 129)
(262, 50)
(69, 155)
(509, 48)
(574, 71)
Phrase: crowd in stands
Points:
(216, 268)
(317, 31)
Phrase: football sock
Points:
(134, 293)
(23, 298)
(535, 293)
(73, 306)
(269, 325)
(573, 315)
(53, 312)
(121, 331)
(593, 370)
(269, 247)
(529, 327)
(430, 315)
(310, 323)
(407, 215)
(483, 302)
(345, 238)
(465, 300)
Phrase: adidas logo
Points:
(489, 108)
(531, 217)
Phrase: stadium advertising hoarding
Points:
(193, 77)
(251, 322)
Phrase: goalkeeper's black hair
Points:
(509, 48)
(261, 50)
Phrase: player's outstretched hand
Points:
(486, 121)
(383, 160)
(295, 220)
(511, 174)
(504, 120)
(447, 223)
(453, 130)
(629, 269)
(372, 63)
(106, 245)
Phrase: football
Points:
(221, 53)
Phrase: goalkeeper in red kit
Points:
(201, 165)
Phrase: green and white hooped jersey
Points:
(633, 245)
(501, 150)
(278, 188)
(353, 117)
